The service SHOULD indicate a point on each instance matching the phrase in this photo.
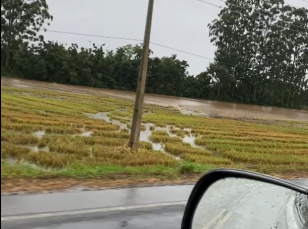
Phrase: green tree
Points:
(21, 20)
(260, 55)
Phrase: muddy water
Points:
(12, 161)
(37, 149)
(190, 139)
(39, 134)
(86, 134)
(187, 106)
(145, 135)
(104, 116)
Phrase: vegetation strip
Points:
(47, 134)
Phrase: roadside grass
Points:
(259, 146)
(209, 160)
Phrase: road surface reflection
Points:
(241, 204)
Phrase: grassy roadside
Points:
(53, 135)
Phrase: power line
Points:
(92, 35)
(129, 39)
(211, 4)
(133, 39)
(174, 49)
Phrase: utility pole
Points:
(136, 125)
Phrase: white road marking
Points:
(215, 220)
(221, 218)
(222, 222)
(89, 211)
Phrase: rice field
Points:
(52, 134)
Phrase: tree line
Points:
(261, 57)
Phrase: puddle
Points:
(188, 112)
(37, 149)
(33, 148)
(190, 139)
(194, 113)
(91, 152)
(145, 137)
(86, 134)
(39, 134)
(146, 134)
(104, 116)
(12, 161)
(167, 129)
(158, 147)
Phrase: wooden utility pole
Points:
(136, 125)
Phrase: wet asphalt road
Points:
(134, 208)
(131, 208)
(162, 218)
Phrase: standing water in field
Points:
(37, 149)
(146, 134)
(145, 137)
(190, 139)
(104, 116)
(208, 108)
(39, 134)
(86, 134)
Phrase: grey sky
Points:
(180, 24)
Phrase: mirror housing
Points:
(215, 175)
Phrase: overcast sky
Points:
(181, 24)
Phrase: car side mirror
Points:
(234, 199)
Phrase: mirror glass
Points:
(236, 203)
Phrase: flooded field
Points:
(206, 108)
(147, 131)
(48, 133)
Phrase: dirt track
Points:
(204, 107)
